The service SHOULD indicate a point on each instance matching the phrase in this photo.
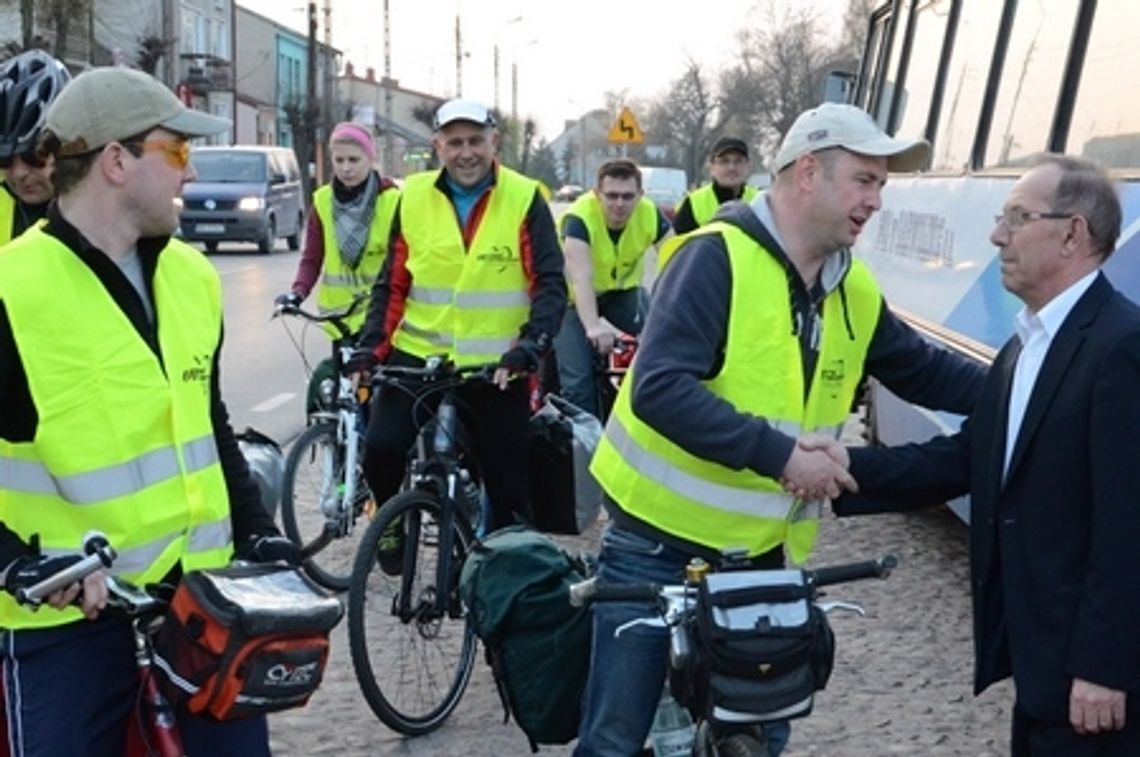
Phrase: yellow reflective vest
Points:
(7, 215)
(340, 282)
(467, 301)
(617, 266)
(657, 481)
(124, 441)
(703, 202)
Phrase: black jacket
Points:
(1052, 547)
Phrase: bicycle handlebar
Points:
(337, 319)
(435, 371)
(591, 590)
(99, 556)
(837, 574)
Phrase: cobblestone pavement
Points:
(901, 685)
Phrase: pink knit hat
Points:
(347, 131)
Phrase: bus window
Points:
(1030, 81)
(890, 81)
(918, 89)
(965, 84)
(1106, 115)
(873, 60)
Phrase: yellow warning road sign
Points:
(625, 129)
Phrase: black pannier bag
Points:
(565, 498)
(762, 649)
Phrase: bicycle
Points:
(151, 730)
(676, 608)
(610, 370)
(323, 488)
(412, 648)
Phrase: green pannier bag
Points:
(515, 586)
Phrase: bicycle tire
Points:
(316, 462)
(403, 665)
(707, 744)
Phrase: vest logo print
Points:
(199, 373)
(285, 675)
(832, 374)
(500, 256)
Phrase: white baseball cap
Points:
(462, 110)
(853, 129)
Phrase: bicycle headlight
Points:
(251, 203)
(327, 392)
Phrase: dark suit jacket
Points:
(1054, 548)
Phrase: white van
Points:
(665, 186)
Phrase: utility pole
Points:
(328, 99)
(458, 59)
(515, 92)
(497, 77)
(309, 120)
(389, 142)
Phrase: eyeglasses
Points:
(176, 151)
(730, 160)
(620, 196)
(1015, 219)
(28, 158)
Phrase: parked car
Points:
(244, 193)
(665, 186)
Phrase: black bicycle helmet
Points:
(29, 82)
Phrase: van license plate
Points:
(210, 228)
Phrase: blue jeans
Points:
(625, 309)
(627, 672)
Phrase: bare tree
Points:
(60, 15)
(152, 49)
(780, 74)
(856, 24)
(303, 117)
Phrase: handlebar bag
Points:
(763, 648)
(245, 640)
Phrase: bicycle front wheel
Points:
(412, 650)
(312, 488)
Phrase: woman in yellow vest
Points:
(761, 330)
(346, 237)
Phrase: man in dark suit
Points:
(1051, 459)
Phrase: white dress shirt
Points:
(1036, 331)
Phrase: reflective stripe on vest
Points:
(339, 282)
(617, 266)
(124, 441)
(7, 215)
(703, 202)
(701, 501)
(468, 302)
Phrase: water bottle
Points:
(672, 732)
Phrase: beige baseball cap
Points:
(852, 128)
(104, 105)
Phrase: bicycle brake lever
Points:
(837, 605)
(651, 622)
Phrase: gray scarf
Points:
(352, 220)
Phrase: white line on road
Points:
(273, 402)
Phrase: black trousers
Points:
(1040, 738)
(495, 422)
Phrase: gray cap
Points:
(853, 129)
(108, 104)
(459, 109)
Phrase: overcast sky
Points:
(569, 53)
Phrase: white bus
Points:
(988, 83)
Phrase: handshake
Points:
(817, 469)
